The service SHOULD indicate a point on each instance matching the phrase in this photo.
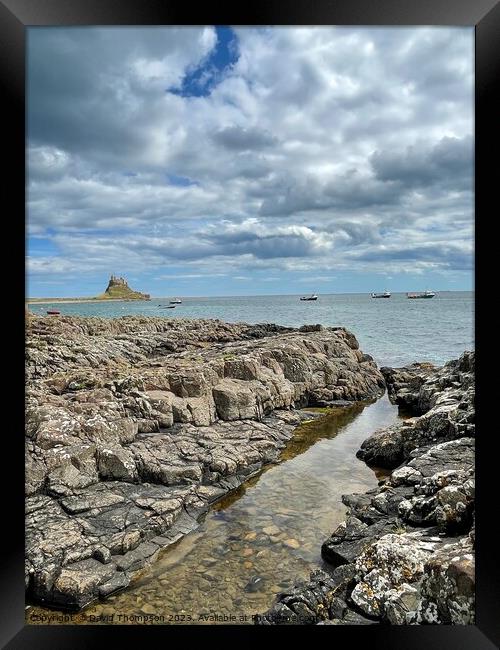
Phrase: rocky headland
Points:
(136, 425)
(117, 290)
(405, 553)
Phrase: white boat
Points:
(313, 297)
(423, 294)
(176, 301)
(385, 294)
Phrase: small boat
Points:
(53, 311)
(313, 297)
(176, 301)
(385, 294)
(422, 294)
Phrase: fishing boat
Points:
(176, 301)
(422, 294)
(385, 294)
(53, 311)
(313, 297)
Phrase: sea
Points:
(395, 331)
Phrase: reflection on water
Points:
(260, 539)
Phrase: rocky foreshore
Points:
(135, 425)
(405, 553)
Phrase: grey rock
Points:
(116, 463)
(409, 544)
(118, 582)
(76, 584)
(135, 425)
(445, 401)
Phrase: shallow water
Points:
(395, 331)
(258, 540)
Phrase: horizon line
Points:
(253, 295)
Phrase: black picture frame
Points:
(15, 17)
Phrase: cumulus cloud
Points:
(455, 257)
(236, 138)
(447, 163)
(324, 148)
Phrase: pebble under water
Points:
(258, 540)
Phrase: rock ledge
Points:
(135, 425)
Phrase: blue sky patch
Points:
(180, 181)
(200, 81)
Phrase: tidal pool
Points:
(258, 540)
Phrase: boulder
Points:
(116, 463)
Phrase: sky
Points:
(216, 161)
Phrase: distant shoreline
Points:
(46, 301)
(43, 301)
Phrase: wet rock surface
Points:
(134, 426)
(406, 548)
